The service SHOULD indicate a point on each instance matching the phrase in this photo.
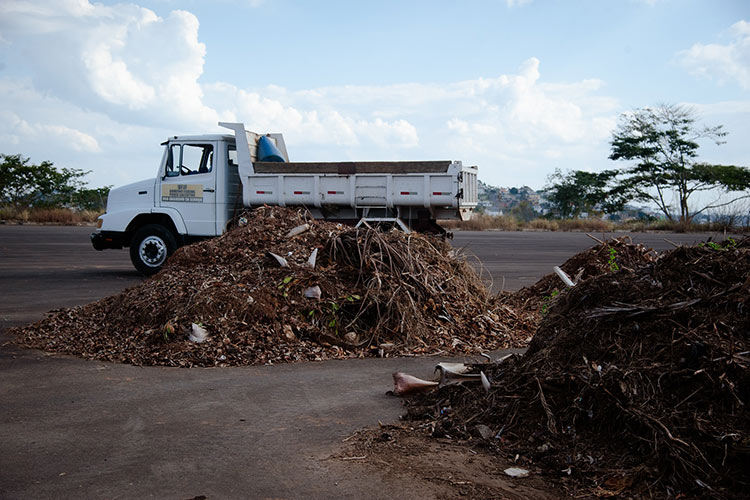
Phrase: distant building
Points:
(495, 200)
(498, 200)
(631, 212)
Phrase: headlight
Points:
(99, 223)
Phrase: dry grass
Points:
(482, 222)
(635, 226)
(679, 227)
(597, 225)
(61, 216)
(544, 224)
(89, 215)
(640, 226)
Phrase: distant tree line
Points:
(26, 185)
(660, 144)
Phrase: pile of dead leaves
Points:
(261, 294)
(637, 382)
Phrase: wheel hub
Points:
(153, 251)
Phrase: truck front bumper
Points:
(107, 239)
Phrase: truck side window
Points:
(232, 156)
(196, 159)
(189, 159)
(174, 159)
(207, 160)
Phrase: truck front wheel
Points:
(150, 247)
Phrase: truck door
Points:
(189, 185)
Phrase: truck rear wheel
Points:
(150, 247)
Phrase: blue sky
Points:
(517, 87)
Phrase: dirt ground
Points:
(444, 468)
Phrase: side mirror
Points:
(171, 173)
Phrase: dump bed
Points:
(353, 167)
(447, 189)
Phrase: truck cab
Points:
(191, 198)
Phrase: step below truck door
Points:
(189, 185)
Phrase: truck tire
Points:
(150, 247)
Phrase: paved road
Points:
(71, 428)
(47, 267)
(516, 259)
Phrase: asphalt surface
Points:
(48, 267)
(71, 428)
(514, 259)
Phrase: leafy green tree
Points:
(578, 191)
(27, 185)
(662, 143)
(91, 199)
(16, 180)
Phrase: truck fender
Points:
(169, 218)
(176, 217)
(120, 220)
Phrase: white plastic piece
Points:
(198, 334)
(297, 230)
(516, 472)
(563, 276)
(313, 292)
(281, 260)
(454, 371)
(312, 259)
(453, 368)
(485, 381)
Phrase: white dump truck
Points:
(204, 180)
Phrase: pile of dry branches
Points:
(366, 288)
(523, 310)
(636, 380)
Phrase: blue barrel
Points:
(267, 150)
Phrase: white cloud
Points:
(16, 130)
(508, 104)
(79, 141)
(397, 134)
(724, 63)
(516, 3)
(121, 59)
(513, 124)
(309, 123)
(44, 127)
